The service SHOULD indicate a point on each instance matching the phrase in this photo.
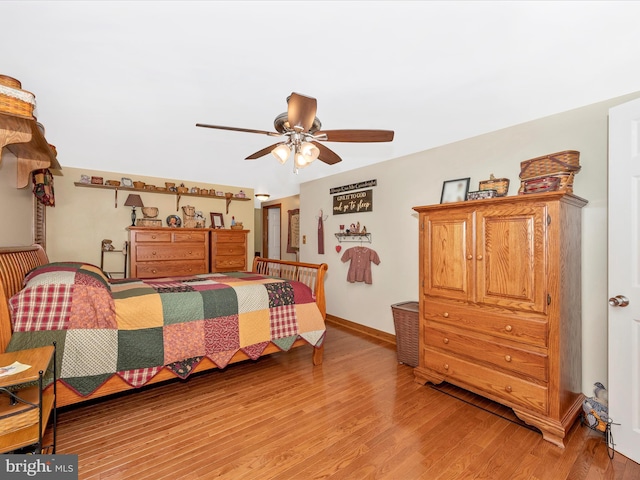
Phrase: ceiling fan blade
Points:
(263, 152)
(236, 129)
(356, 135)
(327, 155)
(301, 111)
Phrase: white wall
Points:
(417, 180)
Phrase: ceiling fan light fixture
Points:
(310, 151)
(281, 152)
(300, 160)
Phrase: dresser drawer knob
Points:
(446, 366)
(508, 328)
(445, 314)
(469, 257)
(508, 388)
(507, 358)
(153, 237)
(445, 340)
(479, 257)
(153, 253)
(154, 271)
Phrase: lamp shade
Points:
(281, 152)
(133, 200)
(310, 151)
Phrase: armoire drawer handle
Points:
(479, 257)
(445, 340)
(469, 257)
(508, 328)
(445, 314)
(507, 358)
(446, 366)
(508, 388)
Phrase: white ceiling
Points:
(121, 85)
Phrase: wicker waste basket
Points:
(405, 319)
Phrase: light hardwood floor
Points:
(358, 416)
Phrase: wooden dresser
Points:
(500, 308)
(159, 252)
(228, 250)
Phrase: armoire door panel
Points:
(511, 258)
(448, 243)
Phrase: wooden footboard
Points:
(15, 262)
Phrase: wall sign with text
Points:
(356, 202)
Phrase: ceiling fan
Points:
(302, 134)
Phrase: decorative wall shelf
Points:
(178, 196)
(23, 138)
(353, 237)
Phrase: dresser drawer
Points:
(190, 237)
(229, 236)
(530, 331)
(146, 253)
(488, 351)
(507, 389)
(230, 249)
(151, 237)
(229, 263)
(171, 268)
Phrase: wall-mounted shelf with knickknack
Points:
(227, 197)
(353, 237)
(23, 138)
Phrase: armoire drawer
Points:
(171, 268)
(530, 331)
(507, 389)
(487, 351)
(170, 252)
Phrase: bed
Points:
(118, 335)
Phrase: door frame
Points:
(265, 228)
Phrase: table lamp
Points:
(133, 201)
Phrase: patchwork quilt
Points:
(134, 328)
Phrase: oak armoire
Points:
(500, 307)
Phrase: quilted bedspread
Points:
(134, 328)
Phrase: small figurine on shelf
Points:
(233, 221)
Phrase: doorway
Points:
(271, 231)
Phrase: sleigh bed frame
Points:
(15, 262)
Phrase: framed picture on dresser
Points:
(217, 220)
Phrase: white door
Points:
(274, 233)
(624, 277)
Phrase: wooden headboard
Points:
(15, 262)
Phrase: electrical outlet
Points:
(304, 239)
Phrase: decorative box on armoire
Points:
(228, 250)
(500, 307)
(162, 252)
